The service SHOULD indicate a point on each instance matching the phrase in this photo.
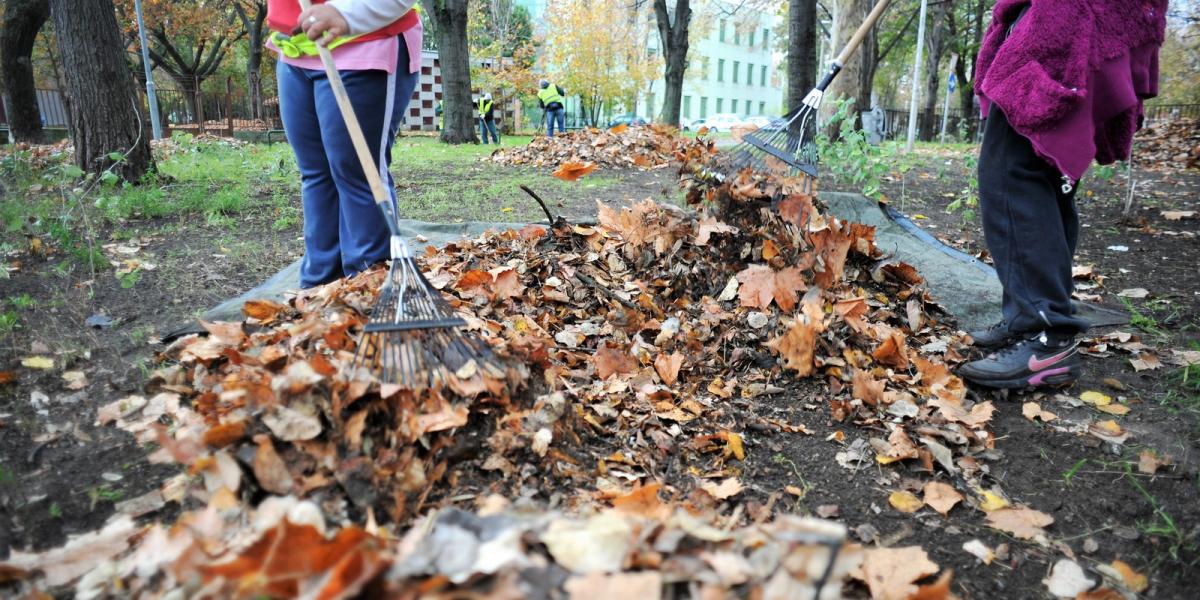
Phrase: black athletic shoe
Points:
(1032, 362)
(995, 336)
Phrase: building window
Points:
(649, 104)
(737, 36)
(720, 69)
(737, 68)
(733, 106)
(703, 106)
(762, 76)
(751, 38)
(749, 74)
(766, 32)
(720, 104)
(687, 107)
(722, 37)
(762, 107)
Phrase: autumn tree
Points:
(801, 50)
(22, 21)
(857, 75)
(936, 42)
(188, 39)
(591, 58)
(107, 125)
(500, 36)
(454, 56)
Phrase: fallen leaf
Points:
(1095, 398)
(75, 380)
(224, 434)
(1135, 293)
(979, 550)
(643, 501)
(269, 469)
(1149, 462)
(38, 362)
(571, 171)
(708, 226)
(941, 497)
(667, 366)
(290, 425)
(726, 489)
(867, 388)
(905, 502)
(79, 555)
(938, 590)
(1067, 579)
(597, 544)
(760, 285)
(1114, 409)
(600, 586)
(1033, 410)
(1024, 523)
(610, 361)
(1177, 215)
(263, 310)
(733, 445)
(1145, 361)
(891, 573)
(1108, 431)
(1134, 581)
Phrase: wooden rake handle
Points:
(370, 169)
(859, 35)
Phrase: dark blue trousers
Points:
(344, 232)
(1031, 227)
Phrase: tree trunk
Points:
(935, 49)
(98, 78)
(673, 37)
(849, 84)
(802, 50)
(455, 59)
(22, 21)
(254, 26)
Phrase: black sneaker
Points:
(994, 336)
(1035, 361)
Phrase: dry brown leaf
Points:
(269, 469)
(643, 501)
(1023, 522)
(979, 414)
(1134, 581)
(1149, 462)
(1033, 411)
(265, 311)
(938, 590)
(613, 361)
(941, 497)
(892, 351)
(867, 388)
(726, 489)
(761, 285)
(1145, 361)
(708, 226)
(891, 573)
(571, 171)
(600, 586)
(667, 366)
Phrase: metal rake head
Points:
(413, 338)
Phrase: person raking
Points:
(377, 49)
(1061, 83)
(487, 119)
(552, 99)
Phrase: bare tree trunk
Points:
(98, 78)
(673, 37)
(802, 50)
(455, 59)
(255, 28)
(935, 41)
(849, 84)
(22, 21)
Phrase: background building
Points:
(733, 69)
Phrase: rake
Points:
(787, 145)
(412, 337)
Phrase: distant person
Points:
(552, 99)
(441, 117)
(377, 48)
(487, 119)
(1061, 84)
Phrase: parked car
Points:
(628, 119)
(723, 122)
(694, 124)
(758, 122)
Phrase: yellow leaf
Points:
(1114, 409)
(1109, 427)
(905, 502)
(506, 209)
(1095, 398)
(38, 362)
(1133, 580)
(733, 445)
(990, 501)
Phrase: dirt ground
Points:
(61, 475)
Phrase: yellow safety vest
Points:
(550, 94)
(484, 108)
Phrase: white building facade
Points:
(734, 68)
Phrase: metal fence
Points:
(1157, 112)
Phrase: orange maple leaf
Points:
(571, 171)
(611, 360)
(668, 367)
(797, 345)
(761, 284)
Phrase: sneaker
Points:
(992, 337)
(1035, 361)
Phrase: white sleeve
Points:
(365, 16)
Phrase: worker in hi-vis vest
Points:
(487, 119)
(441, 117)
(552, 98)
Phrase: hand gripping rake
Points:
(788, 145)
(412, 337)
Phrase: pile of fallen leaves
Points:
(626, 345)
(648, 147)
(1172, 144)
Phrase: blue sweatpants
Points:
(344, 232)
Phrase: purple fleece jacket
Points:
(1071, 76)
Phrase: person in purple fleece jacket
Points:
(1061, 83)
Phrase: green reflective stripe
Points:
(299, 45)
(550, 94)
(484, 107)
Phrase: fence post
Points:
(229, 104)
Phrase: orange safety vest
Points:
(284, 15)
